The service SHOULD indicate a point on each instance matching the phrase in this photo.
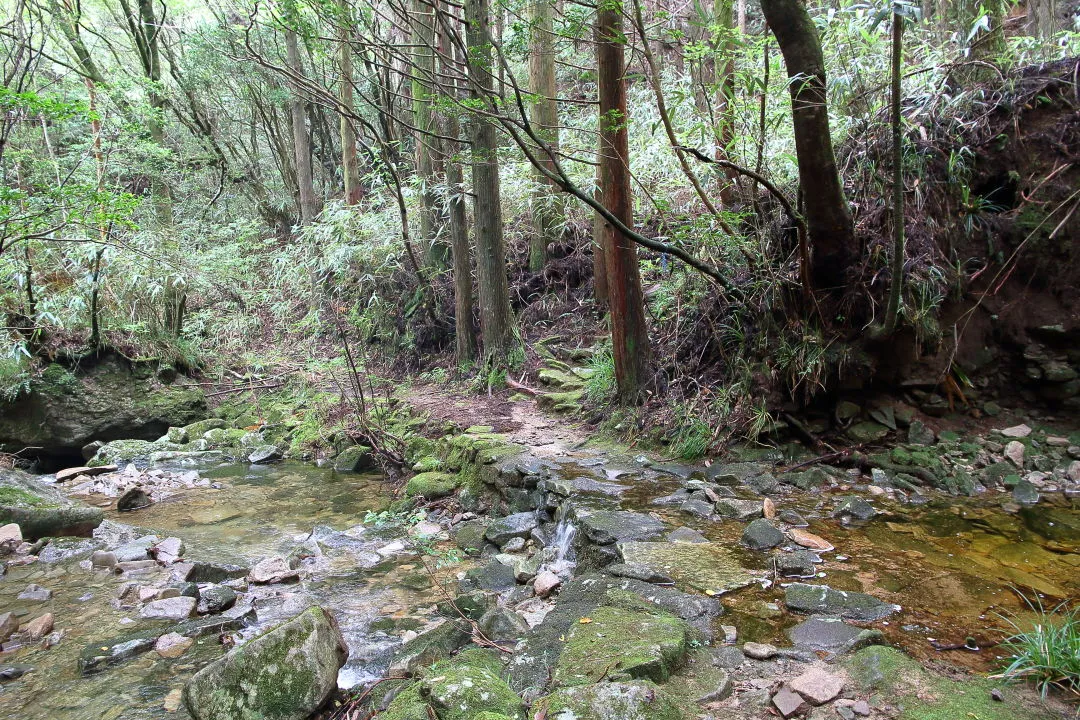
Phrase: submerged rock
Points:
(40, 510)
(708, 567)
(762, 535)
(285, 674)
(609, 526)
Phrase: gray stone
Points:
(174, 608)
(501, 624)
(36, 593)
(285, 674)
(492, 576)
(796, 564)
(919, 434)
(70, 473)
(1025, 493)
(431, 646)
(469, 536)
(638, 572)
(824, 600)
(762, 535)
(272, 570)
(41, 510)
(787, 702)
(818, 686)
(697, 506)
(355, 458)
(854, 508)
(831, 635)
(138, 549)
(216, 572)
(686, 535)
(640, 700)
(610, 526)
(264, 454)
(739, 509)
(867, 432)
(707, 567)
(1014, 451)
(134, 499)
(102, 559)
(217, 598)
(511, 526)
(759, 651)
(168, 550)
(9, 624)
(546, 582)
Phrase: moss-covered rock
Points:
(892, 678)
(618, 644)
(41, 510)
(355, 458)
(121, 451)
(430, 647)
(199, 429)
(428, 463)
(641, 700)
(431, 485)
(284, 674)
(469, 684)
(111, 398)
(407, 705)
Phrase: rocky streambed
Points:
(551, 582)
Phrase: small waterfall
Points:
(563, 543)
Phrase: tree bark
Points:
(301, 136)
(828, 218)
(629, 334)
(548, 212)
(892, 310)
(350, 166)
(1042, 18)
(497, 325)
(600, 277)
(423, 74)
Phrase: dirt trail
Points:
(522, 421)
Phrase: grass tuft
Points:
(1046, 649)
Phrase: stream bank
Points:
(621, 586)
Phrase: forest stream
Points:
(954, 565)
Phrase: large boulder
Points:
(41, 510)
(284, 674)
(110, 398)
(638, 700)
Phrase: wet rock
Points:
(796, 564)
(759, 651)
(620, 644)
(854, 508)
(36, 593)
(787, 702)
(687, 535)
(8, 626)
(638, 572)
(501, 624)
(39, 627)
(272, 570)
(546, 582)
(492, 576)
(1025, 493)
(216, 572)
(138, 549)
(430, 647)
(605, 527)
(14, 672)
(354, 459)
(525, 568)
(286, 673)
(172, 645)
(818, 686)
(71, 473)
(41, 510)
(134, 499)
(511, 526)
(762, 535)
(1014, 451)
(640, 700)
(168, 550)
(174, 608)
(824, 600)
(264, 454)
(697, 507)
(792, 518)
(810, 540)
(708, 567)
(739, 509)
(676, 498)
(103, 559)
(469, 536)
(216, 598)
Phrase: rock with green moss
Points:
(889, 677)
(469, 536)
(199, 429)
(41, 510)
(108, 397)
(568, 402)
(618, 644)
(355, 458)
(431, 485)
(867, 432)
(429, 647)
(122, 451)
(706, 567)
(641, 700)
(468, 684)
(428, 463)
(407, 705)
(285, 674)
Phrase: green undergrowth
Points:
(1045, 649)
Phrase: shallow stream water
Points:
(953, 565)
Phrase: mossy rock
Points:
(567, 402)
(430, 647)
(893, 678)
(407, 705)
(468, 684)
(431, 485)
(621, 644)
(641, 700)
(199, 429)
(284, 674)
(355, 458)
(428, 463)
(42, 511)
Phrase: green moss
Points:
(618, 643)
(57, 380)
(469, 684)
(641, 700)
(17, 497)
(408, 705)
(428, 463)
(893, 678)
(431, 485)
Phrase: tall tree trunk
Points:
(600, 275)
(548, 212)
(497, 325)
(629, 334)
(896, 290)
(725, 91)
(828, 218)
(423, 77)
(350, 166)
(301, 136)
(1042, 18)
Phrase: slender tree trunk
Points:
(828, 218)
(629, 334)
(497, 324)
(892, 310)
(600, 275)
(301, 136)
(423, 74)
(350, 166)
(548, 211)
(103, 230)
(725, 91)
(1042, 18)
